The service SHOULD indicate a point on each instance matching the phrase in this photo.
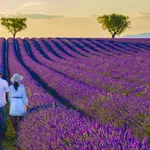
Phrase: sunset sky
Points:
(77, 14)
(76, 7)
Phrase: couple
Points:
(16, 95)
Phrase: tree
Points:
(114, 23)
(14, 25)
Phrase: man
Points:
(4, 89)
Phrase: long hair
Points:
(16, 84)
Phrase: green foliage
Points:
(106, 74)
(114, 23)
(14, 25)
(148, 131)
(9, 142)
(67, 142)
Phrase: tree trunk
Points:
(14, 35)
(113, 35)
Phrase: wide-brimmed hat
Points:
(16, 78)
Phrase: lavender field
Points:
(84, 93)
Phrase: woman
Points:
(18, 100)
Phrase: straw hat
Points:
(16, 78)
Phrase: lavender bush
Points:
(110, 86)
(64, 129)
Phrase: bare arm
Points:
(7, 91)
(7, 97)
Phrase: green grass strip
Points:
(9, 142)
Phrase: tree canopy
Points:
(14, 25)
(114, 23)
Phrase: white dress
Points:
(17, 105)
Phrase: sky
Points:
(70, 8)
(79, 16)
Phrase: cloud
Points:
(40, 16)
(145, 15)
(142, 35)
(31, 4)
(31, 16)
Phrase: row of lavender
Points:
(113, 91)
(1, 57)
(1, 53)
(98, 76)
(103, 68)
(59, 127)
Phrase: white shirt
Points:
(17, 105)
(4, 88)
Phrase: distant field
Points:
(84, 93)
